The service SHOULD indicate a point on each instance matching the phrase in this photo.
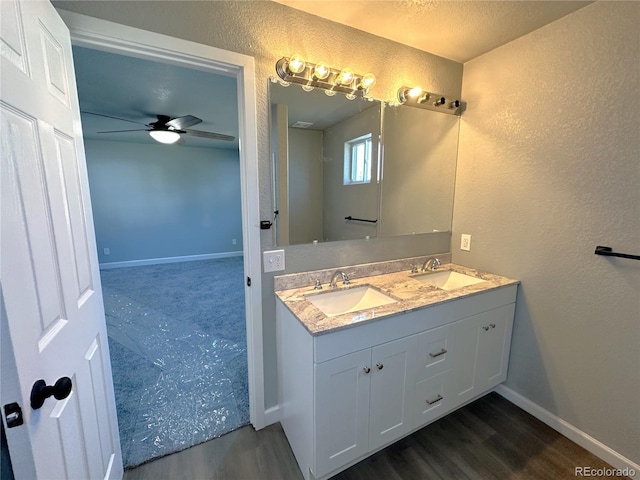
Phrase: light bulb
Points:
(345, 77)
(164, 136)
(414, 92)
(321, 71)
(296, 64)
(368, 81)
(424, 97)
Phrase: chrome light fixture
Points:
(320, 75)
(417, 97)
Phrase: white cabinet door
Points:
(481, 352)
(342, 410)
(392, 387)
(494, 341)
(463, 382)
(53, 318)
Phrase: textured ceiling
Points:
(458, 30)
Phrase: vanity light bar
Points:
(320, 75)
(416, 97)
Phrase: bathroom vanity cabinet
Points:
(346, 394)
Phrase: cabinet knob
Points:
(379, 366)
(485, 328)
(492, 325)
(366, 370)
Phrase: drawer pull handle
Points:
(435, 400)
(441, 352)
(379, 366)
(366, 370)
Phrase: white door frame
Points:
(112, 37)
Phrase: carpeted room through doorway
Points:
(177, 339)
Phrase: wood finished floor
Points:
(488, 439)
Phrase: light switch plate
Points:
(465, 242)
(273, 260)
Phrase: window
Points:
(357, 160)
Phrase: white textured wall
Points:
(305, 186)
(548, 168)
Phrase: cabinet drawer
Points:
(435, 353)
(432, 398)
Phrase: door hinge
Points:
(248, 281)
(13, 415)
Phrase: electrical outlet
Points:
(273, 260)
(107, 251)
(465, 242)
(233, 241)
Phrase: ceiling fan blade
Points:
(214, 136)
(123, 131)
(110, 116)
(181, 123)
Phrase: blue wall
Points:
(158, 201)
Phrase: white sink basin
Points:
(448, 279)
(349, 300)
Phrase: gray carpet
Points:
(177, 340)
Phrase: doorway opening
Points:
(168, 224)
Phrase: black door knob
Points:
(40, 391)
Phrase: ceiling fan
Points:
(167, 129)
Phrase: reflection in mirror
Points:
(419, 167)
(325, 157)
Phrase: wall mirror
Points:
(328, 164)
(325, 153)
(419, 168)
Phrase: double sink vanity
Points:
(371, 353)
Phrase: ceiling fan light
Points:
(165, 136)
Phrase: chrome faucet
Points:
(339, 274)
(431, 264)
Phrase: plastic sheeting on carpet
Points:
(177, 340)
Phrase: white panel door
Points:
(392, 387)
(342, 410)
(53, 323)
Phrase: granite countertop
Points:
(409, 293)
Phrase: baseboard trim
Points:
(573, 433)
(272, 415)
(157, 261)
